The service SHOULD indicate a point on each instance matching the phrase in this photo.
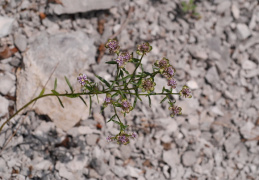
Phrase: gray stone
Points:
(125, 152)
(223, 7)
(189, 158)
(91, 139)
(20, 42)
(171, 157)
(235, 10)
(165, 171)
(248, 65)
(7, 83)
(72, 53)
(216, 110)
(198, 52)
(3, 106)
(231, 142)
(134, 172)
(119, 171)
(246, 130)
(78, 163)
(242, 31)
(214, 43)
(5, 26)
(192, 84)
(212, 76)
(99, 166)
(81, 6)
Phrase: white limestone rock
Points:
(72, 53)
(81, 6)
(5, 26)
(242, 31)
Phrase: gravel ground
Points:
(217, 56)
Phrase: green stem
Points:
(134, 72)
(89, 93)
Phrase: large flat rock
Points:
(73, 52)
(81, 6)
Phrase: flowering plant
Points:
(124, 86)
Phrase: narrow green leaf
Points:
(149, 101)
(60, 101)
(69, 85)
(121, 74)
(54, 92)
(116, 122)
(163, 100)
(83, 100)
(125, 71)
(122, 94)
(42, 92)
(117, 105)
(112, 118)
(97, 98)
(135, 101)
(90, 107)
(103, 80)
(72, 95)
(135, 60)
(147, 73)
(115, 94)
(55, 84)
(125, 78)
(111, 62)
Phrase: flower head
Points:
(126, 106)
(134, 135)
(109, 138)
(169, 72)
(172, 83)
(144, 48)
(147, 85)
(123, 139)
(123, 58)
(113, 46)
(82, 79)
(107, 100)
(162, 64)
(185, 92)
(175, 110)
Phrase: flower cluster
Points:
(123, 58)
(126, 106)
(147, 85)
(167, 70)
(82, 79)
(175, 110)
(144, 48)
(122, 138)
(185, 92)
(108, 100)
(113, 46)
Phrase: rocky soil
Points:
(217, 56)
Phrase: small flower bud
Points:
(107, 100)
(144, 48)
(113, 46)
(175, 110)
(172, 83)
(162, 64)
(134, 135)
(169, 72)
(126, 106)
(123, 59)
(185, 92)
(82, 79)
(147, 85)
